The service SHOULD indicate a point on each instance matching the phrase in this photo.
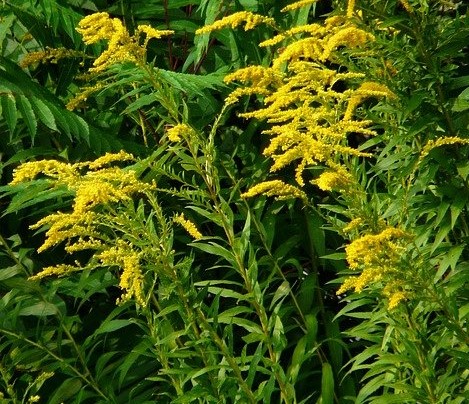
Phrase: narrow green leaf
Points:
(28, 115)
(6, 273)
(44, 113)
(113, 325)
(67, 389)
(40, 309)
(9, 111)
(327, 384)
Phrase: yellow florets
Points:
(298, 4)
(275, 188)
(336, 179)
(49, 55)
(180, 131)
(380, 258)
(131, 279)
(442, 141)
(250, 20)
(110, 158)
(188, 226)
(122, 47)
(367, 90)
(376, 249)
(97, 189)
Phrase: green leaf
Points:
(40, 309)
(6, 273)
(215, 249)
(327, 384)
(44, 113)
(67, 390)
(28, 115)
(9, 111)
(113, 325)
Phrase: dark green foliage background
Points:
(100, 352)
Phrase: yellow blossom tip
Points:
(188, 226)
(276, 188)
(250, 20)
(298, 4)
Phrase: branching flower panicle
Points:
(442, 141)
(131, 279)
(97, 187)
(122, 47)
(309, 119)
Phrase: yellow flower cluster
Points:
(353, 225)
(336, 179)
(442, 141)
(122, 47)
(379, 257)
(259, 78)
(49, 55)
(188, 226)
(95, 185)
(180, 131)
(250, 20)
(131, 279)
(298, 4)
(309, 120)
(80, 99)
(367, 89)
(275, 188)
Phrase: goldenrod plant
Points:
(234, 202)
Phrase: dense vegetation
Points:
(234, 201)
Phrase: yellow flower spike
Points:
(180, 131)
(367, 90)
(49, 55)
(58, 270)
(62, 172)
(372, 248)
(122, 47)
(151, 33)
(395, 298)
(110, 158)
(188, 226)
(131, 278)
(350, 8)
(257, 76)
(275, 188)
(96, 27)
(442, 141)
(250, 20)
(335, 179)
(298, 4)
(79, 99)
(235, 95)
(352, 37)
(353, 225)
